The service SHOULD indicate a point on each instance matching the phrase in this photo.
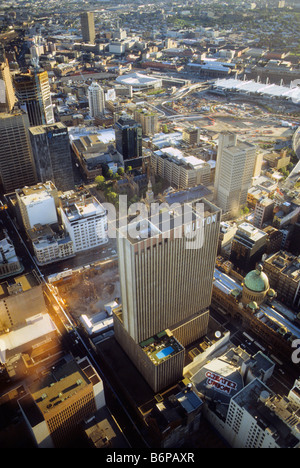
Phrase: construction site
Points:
(87, 290)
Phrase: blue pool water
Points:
(164, 352)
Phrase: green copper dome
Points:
(257, 280)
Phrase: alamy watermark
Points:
(141, 221)
(296, 353)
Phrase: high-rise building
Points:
(52, 155)
(128, 137)
(166, 290)
(7, 94)
(88, 26)
(85, 219)
(33, 93)
(248, 246)
(234, 172)
(148, 120)
(16, 160)
(96, 99)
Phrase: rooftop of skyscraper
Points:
(161, 347)
(164, 219)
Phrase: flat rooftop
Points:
(41, 129)
(166, 218)
(270, 411)
(64, 379)
(161, 347)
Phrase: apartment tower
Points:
(234, 171)
(87, 26)
(96, 99)
(17, 167)
(33, 93)
(166, 287)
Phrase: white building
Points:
(37, 204)
(50, 246)
(96, 99)
(234, 172)
(245, 412)
(182, 171)
(257, 418)
(85, 219)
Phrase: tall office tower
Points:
(166, 290)
(88, 26)
(234, 172)
(96, 99)
(7, 94)
(33, 93)
(52, 155)
(16, 160)
(128, 137)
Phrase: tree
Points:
(121, 171)
(100, 181)
(110, 174)
(112, 197)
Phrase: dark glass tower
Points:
(52, 155)
(128, 138)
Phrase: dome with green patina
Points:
(257, 280)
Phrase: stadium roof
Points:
(291, 93)
(137, 80)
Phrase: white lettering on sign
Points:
(198, 224)
(220, 383)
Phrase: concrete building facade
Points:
(234, 172)
(166, 290)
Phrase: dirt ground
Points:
(90, 290)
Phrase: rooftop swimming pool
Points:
(164, 352)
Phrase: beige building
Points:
(55, 405)
(166, 286)
(20, 300)
(148, 120)
(50, 246)
(7, 94)
(283, 270)
(180, 170)
(234, 172)
(191, 135)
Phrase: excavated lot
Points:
(89, 290)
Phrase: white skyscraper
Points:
(96, 99)
(234, 172)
